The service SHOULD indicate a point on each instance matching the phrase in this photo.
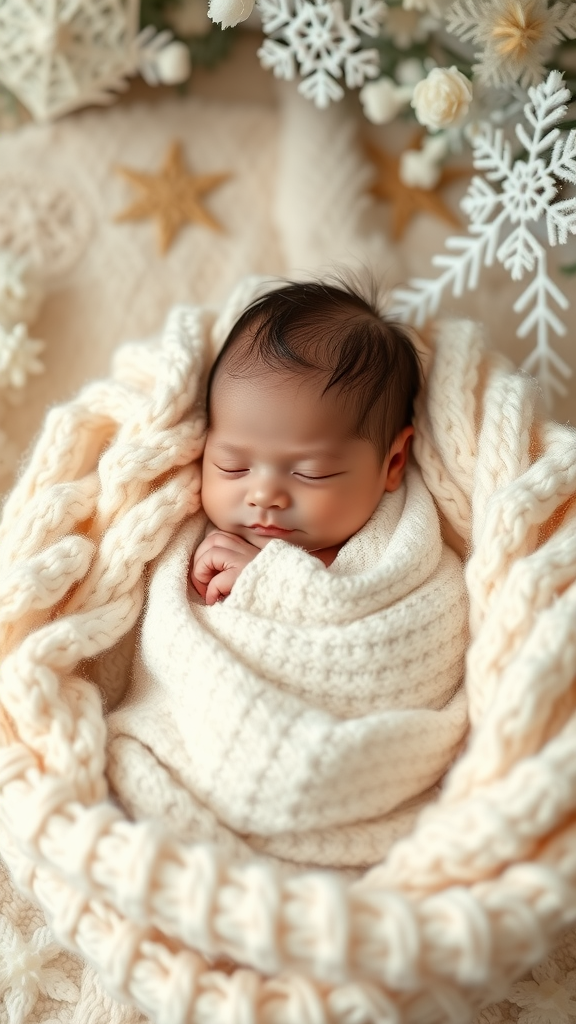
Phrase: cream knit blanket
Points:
(311, 703)
(484, 883)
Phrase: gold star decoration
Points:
(172, 196)
(408, 201)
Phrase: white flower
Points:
(18, 356)
(20, 290)
(383, 100)
(442, 99)
(421, 168)
(24, 973)
(229, 12)
(517, 36)
(171, 64)
(416, 171)
(409, 71)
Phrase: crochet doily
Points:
(45, 221)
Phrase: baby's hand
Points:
(217, 563)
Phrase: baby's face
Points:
(281, 461)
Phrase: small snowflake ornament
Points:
(58, 55)
(18, 356)
(317, 37)
(26, 971)
(21, 292)
(503, 224)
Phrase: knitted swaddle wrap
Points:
(486, 880)
(312, 702)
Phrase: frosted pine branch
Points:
(543, 361)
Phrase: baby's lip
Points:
(270, 528)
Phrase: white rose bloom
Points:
(229, 12)
(383, 100)
(443, 98)
(417, 170)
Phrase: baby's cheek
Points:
(215, 499)
(323, 505)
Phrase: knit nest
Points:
(483, 885)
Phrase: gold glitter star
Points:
(406, 200)
(171, 196)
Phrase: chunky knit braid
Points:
(486, 881)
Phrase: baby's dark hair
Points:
(334, 330)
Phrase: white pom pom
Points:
(383, 100)
(18, 356)
(173, 63)
(21, 290)
(416, 170)
(229, 12)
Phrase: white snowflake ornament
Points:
(316, 37)
(18, 356)
(25, 971)
(503, 226)
(58, 55)
(21, 291)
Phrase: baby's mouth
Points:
(269, 531)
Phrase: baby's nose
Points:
(267, 494)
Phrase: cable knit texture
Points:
(484, 883)
(313, 702)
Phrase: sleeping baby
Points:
(298, 675)
(310, 405)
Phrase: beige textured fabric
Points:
(313, 709)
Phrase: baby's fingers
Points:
(199, 587)
(211, 561)
(220, 585)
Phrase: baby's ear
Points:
(397, 458)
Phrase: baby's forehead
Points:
(260, 379)
(296, 408)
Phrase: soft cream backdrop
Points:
(118, 286)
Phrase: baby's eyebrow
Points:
(297, 454)
(223, 446)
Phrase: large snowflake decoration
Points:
(502, 227)
(318, 38)
(57, 55)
